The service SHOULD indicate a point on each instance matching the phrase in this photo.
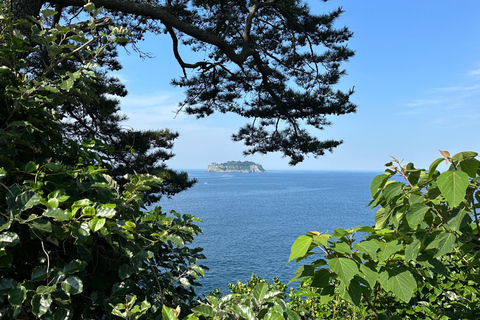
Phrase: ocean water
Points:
(251, 220)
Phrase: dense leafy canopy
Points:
(421, 259)
(74, 243)
(273, 62)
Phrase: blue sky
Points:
(416, 74)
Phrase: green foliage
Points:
(420, 260)
(73, 244)
(255, 299)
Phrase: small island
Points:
(236, 166)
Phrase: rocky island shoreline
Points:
(236, 166)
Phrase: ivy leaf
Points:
(453, 185)
(345, 268)
(300, 247)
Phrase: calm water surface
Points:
(251, 220)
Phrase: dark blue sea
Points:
(250, 220)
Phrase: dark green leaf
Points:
(72, 285)
(392, 190)
(57, 214)
(41, 304)
(39, 273)
(17, 295)
(321, 278)
(415, 214)
(47, 13)
(8, 239)
(74, 266)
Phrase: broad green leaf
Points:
(56, 214)
(168, 313)
(39, 273)
(204, 310)
(292, 315)
(300, 247)
(96, 223)
(246, 312)
(345, 268)
(66, 84)
(399, 281)
(74, 266)
(27, 200)
(369, 275)
(177, 240)
(392, 190)
(260, 290)
(442, 243)
(8, 239)
(368, 246)
(381, 218)
(17, 295)
(72, 285)
(106, 211)
(321, 278)
(272, 315)
(341, 247)
(303, 273)
(377, 183)
(453, 185)
(387, 249)
(351, 292)
(412, 250)
(41, 225)
(470, 166)
(415, 214)
(31, 167)
(433, 167)
(458, 219)
(41, 304)
(6, 285)
(461, 156)
(47, 13)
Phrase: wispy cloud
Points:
(475, 87)
(423, 102)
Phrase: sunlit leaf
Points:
(453, 185)
(300, 247)
(345, 268)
